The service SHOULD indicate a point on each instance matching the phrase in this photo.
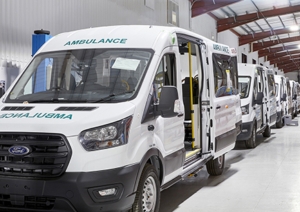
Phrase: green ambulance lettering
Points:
(9, 115)
(123, 40)
(75, 42)
(50, 115)
(68, 116)
(17, 115)
(24, 115)
(90, 41)
(68, 43)
(33, 116)
(94, 41)
(59, 116)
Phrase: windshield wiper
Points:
(111, 96)
(56, 101)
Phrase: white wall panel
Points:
(19, 18)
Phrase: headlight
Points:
(107, 136)
(245, 109)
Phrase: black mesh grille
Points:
(25, 202)
(75, 108)
(17, 108)
(48, 157)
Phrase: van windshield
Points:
(244, 86)
(86, 75)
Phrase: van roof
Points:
(119, 36)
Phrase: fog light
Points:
(107, 192)
(244, 130)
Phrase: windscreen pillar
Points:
(39, 83)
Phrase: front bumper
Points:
(246, 131)
(76, 192)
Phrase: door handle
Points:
(180, 114)
(218, 107)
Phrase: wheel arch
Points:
(155, 158)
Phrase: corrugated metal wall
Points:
(19, 18)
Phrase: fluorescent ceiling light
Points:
(294, 28)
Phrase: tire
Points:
(251, 142)
(267, 132)
(147, 197)
(215, 166)
(279, 124)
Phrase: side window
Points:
(165, 74)
(271, 85)
(255, 89)
(225, 75)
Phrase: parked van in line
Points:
(271, 98)
(298, 97)
(290, 102)
(111, 116)
(281, 102)
(294, 98)
(255, 89)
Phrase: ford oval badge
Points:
(19, 150)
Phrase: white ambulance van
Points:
(294, 98)
(289, 91)
(271, 98)
(298, 97)
(254, 93)
(280, 84)
(104, 119)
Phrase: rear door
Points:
(261, 79)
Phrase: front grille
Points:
(17, 108)
(49, 155)
(26, 202)
(75, 108)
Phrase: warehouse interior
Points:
(263, 32)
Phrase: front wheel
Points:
(267, 132)
(148, 193)
(251, 142)
(215, 167)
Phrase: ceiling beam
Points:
(289, 70)
(290, 66)
(262, 45)
(228, 23)
(244, 39)
(270, 51)
(216, 19)
(202, 7)
(281, 54)
(284, 60)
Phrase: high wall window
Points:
(244, 58)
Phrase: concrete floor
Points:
(264, 179)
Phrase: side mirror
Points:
(283, 98)
(167, 99)
(259, 98)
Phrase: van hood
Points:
(68, 120)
